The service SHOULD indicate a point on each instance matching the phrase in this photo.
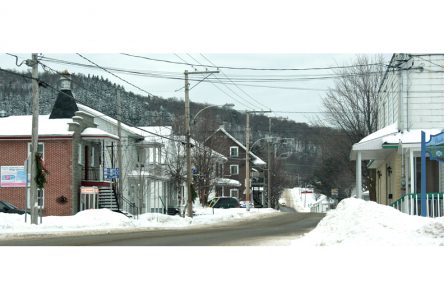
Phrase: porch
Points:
(411, 204)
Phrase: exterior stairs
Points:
(107, 199)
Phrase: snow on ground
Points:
(357, 222)
(99, 220)
(301, 199)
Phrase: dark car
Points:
(6, 207)
(224, 202)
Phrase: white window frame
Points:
(42, 197)
(237, 151)
(80, 150)
(237, 170)
(92, 163)
(234, 191)
(38, 145)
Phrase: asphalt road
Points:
(268, 230)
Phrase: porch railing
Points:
(411, 204)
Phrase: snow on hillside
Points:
(358, 222)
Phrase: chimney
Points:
(65, 81)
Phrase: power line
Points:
(248, 68)
(248, 95)
(250, 103)
(104, 69)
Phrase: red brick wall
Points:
(57, 156)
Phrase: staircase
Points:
(107, 198)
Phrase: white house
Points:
(411, 100)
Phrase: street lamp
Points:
(226, 105)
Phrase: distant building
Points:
(235, 152)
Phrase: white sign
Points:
(12, 176)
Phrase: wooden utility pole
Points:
(247, 164)
(119, 148)
(269, 164)
(247, 157)
(34, 139)
(188, 138)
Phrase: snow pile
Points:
(365, 223)
(99, 220)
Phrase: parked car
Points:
(252, 204)
(6, 207)
(224, 202)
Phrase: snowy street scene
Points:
(221, 150)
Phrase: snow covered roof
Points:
(154, 134)
(100, 115)
(21, 126)
(227, 182)
(97, 133)
(372, 146)
(256, 160)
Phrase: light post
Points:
(226, 105)
(188, 136)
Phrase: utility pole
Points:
(247, 158)
(188, 137)
(34, 140)
(119, 148)
(269, 164)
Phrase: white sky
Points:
(286, 99)
(232, 26)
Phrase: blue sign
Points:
(111, 173)
(435, 147)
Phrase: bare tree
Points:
(352, 104)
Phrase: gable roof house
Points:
(233, 181)
(63, 138)
(411, 100)
(79, 147)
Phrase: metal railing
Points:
(130, 207)
(320, 206)
(411, 204)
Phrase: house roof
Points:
(256, 159)
(100, 115)
(65, 106)
(376, 145)
(21, 126)
(93, 133)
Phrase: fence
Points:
(411, 204)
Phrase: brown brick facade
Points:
(57, 158)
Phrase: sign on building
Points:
(111, 173)
(12, 176)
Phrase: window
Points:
(40, 198)
(40, 149)
(234, 151)
(234, 193)
(80, 154)
(92, 156)
(234, 169)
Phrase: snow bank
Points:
(95, 220)
(301, 199)
(366, 223)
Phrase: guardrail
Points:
(320, 206)
(411, 204)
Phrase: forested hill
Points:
(302, 154)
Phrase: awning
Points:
(381, 143)
(227, 182)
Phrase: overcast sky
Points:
(296, 95)
(278, 34)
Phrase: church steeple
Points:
(65, 105)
